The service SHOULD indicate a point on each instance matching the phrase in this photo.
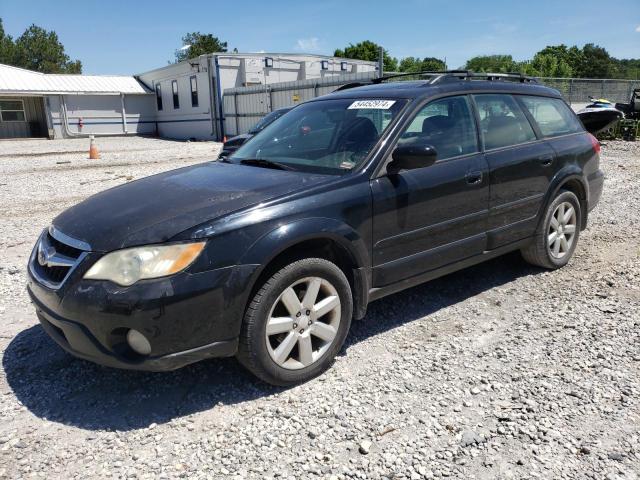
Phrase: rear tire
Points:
(296, 323)
(557, 235)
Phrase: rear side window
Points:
(502, 122)
(552, 116)
(447, 124)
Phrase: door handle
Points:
(473, 178)
(546, 160)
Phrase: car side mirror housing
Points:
(410, 157)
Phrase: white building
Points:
(181, 101)
(190, 94)
(34, 104)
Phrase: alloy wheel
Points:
(303, 323)
(562, 230)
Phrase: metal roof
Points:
(15, 80)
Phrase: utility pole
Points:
(381, 61)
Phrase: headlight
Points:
(126, 267)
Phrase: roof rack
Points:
(455, 75)
(447, 76)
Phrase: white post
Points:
(124, 114)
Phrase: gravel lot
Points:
(498, 371)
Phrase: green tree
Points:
(570, 56)
(628, 68)
(40, 50)
(493, 64)
(596, 62)
(199, 44)
(7, 47)
(550, 65)
(428, 64)
(368, 50)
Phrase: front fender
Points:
(278, 240)
(273, 243)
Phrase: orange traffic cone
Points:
(93, 149)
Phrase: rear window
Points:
(552, 116)
(502, 122)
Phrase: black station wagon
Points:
(270, 253)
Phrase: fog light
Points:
(138, 342)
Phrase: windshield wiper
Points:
(263, 162)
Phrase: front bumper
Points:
(186, 317)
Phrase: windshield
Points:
(267, 119)
(327, 136)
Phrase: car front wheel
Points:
(296, 323)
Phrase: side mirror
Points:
(409, 157)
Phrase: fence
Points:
(244, 106)
(578, 90)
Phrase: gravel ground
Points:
(498, 371)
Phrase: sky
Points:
(129, 37)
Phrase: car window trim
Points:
(380, 171)
(529, 116)
(525, 112)
(542, 135)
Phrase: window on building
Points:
(502, 122)
(194, 91)
(12, 111)
(174, 90)
(324, 64)
(158, 97)
(552, 116)
(447, 124)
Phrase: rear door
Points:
(428, 217)
(521, 166)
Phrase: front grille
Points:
(53, 260)
(63, 248)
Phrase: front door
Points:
(429, 217)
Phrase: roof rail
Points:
(424, 73)
(453, 75)
(447, 76)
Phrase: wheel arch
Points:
(573, 181)
(313, 237)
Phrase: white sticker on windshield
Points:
(373, 104)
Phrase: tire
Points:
(273, 319)
(547, 249)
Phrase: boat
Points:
(599, 115)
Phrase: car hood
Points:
(155, 209)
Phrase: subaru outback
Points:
(269, 254)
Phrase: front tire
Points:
(296, 323)
(557, 235)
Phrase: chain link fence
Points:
(578, 90)
(244, 106)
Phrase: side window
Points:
(12, 111)
(447, 124)
(502, 122)
(158, 97)
(552, 116)
(194, 91)
(174, 90)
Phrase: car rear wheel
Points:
(557, 236)
(296, 323)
